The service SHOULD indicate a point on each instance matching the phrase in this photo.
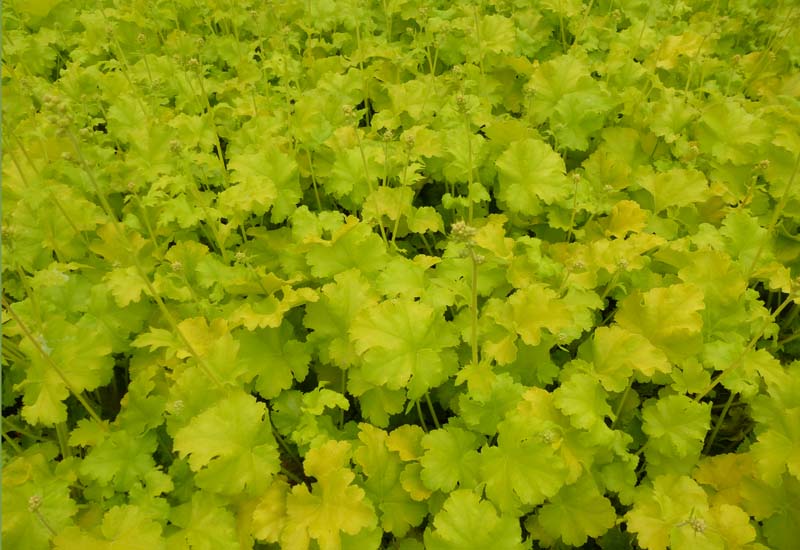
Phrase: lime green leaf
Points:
(626, 216)
(377, 403)
(126, 285)
(406, 441)
(353, 245)
(530, 174)
(383, 468)
(661, 507)
(676, 187)
(156, 338)
(333, 506)
(269, 514)
(231, 445)
(729, 133)
(745, 237)
(122, 457)
(424, 219)
(29, 479)
(330, 317)
(671, 113)
(205, 524)
(556, 79)
(778, 447)
(507, 468)
(578, 115)
(535, 308)
(676, 424)
(405, 277)
(450, 459)
(577, 512)
(347, 176)
(404, 343)
(276, 356)
(253, 191)
(583, 399)
(462, 155)
(388, 203)
(82, 352)
(617, 353)
(669, 317)
(124, 526)
(467, 522)
(482, 411)
(733, 524)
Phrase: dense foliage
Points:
(407, 274)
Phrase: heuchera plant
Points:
(341, 274)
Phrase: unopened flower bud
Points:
(34, 503)
(697, 525)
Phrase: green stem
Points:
(431, 409)
(403, 182)
(146, 219)
(35, 309)
(363, 74)
(139, 269)
(750, 345)
(291, 476)
(427, 244)
(285, 446)
(611, 285)
(771, 47)
(574, 208)
(44, 522)
(343, 391)
(582, 27)
(12, 424)
(13, 444)
(210, 112)
(11, 350)
(775, 216)
(369, 181)
(313, 180)
(49, 360)
(61, 434)
(788, 339)
(421, 417)
(53, 197)
(468, 134)
(718, 425)
(478, 37)
(621, 405)
(474, 308)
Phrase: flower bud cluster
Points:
(57, 111)
(463, 233)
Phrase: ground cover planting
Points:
(350, 275)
